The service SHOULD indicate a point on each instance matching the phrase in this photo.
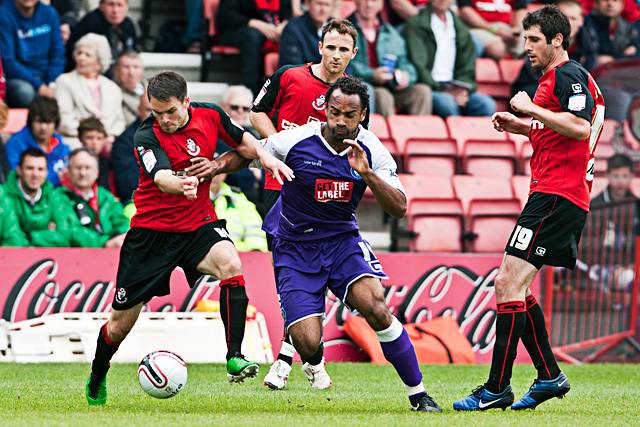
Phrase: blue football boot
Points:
(543, 390)
(482, 399)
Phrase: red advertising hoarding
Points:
(37, 282)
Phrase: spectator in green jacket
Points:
(99, 220)
(441, 48)
(43, 216)
(10, 232)
(382, 63)
(243, 220)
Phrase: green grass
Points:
(363, 394)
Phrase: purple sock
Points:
(398, 350)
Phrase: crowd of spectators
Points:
(69, 175)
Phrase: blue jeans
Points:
(195, 22)
(20, 93)
(445, 105)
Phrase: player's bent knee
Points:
(233, 267)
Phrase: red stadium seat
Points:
(603, 152)
(526, 151)
(16, 120)
(492, 222)
(210, 10)
(510, 68)
(434, 213)
(378, 125)
(485, 151)
(609, 131)
(425, 144)
(521, 185)
(490, 80)
(468, 188)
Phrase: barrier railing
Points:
(594, 308)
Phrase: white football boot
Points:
(317, 375)
(278, 375)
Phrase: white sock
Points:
(392, 332)
(287, 349)
(415, 389)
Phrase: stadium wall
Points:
(37, 282)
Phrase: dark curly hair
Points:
(551, 22)
(352, 86)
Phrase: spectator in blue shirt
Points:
(299, 40)
(32, 49)
(39, 133)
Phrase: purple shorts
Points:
(304, 270)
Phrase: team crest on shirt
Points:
(121, 295)
(318, 104)
(355, 174)
(192, 148)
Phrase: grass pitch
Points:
(363, 394)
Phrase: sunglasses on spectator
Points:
(240, 107)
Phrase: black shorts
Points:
(548, 231)
(270, 199)
(148, 257)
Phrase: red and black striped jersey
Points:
(559, 164)
(157, 150)
(292, 97)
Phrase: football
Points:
(162, 374)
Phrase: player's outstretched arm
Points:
(262, 123)
(250, 148)
(203, 168)
(565, 123)
(169, 183)
(391, 200)
(507, 122)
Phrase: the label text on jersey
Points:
(329, 190)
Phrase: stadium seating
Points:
(490, 209)
(378, 125)
(509, 69)
(485, 151)
(490, 80)
(212, 50)
(425, 143)
(521, 185)
(16, 120)
(434, 213)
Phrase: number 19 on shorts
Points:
(521, 238)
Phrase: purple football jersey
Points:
(322, 199)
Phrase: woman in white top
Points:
(85, 92)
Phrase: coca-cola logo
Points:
(37, 292)
(443, 290)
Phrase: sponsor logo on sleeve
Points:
(576, 88)
(149, 160)
(577, 102)
(329, 190)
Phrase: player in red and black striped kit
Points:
(292, 97)
(567, 116)
(175, 224)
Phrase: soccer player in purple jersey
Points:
(317, 244)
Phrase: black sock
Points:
(233, 310)
(536, 340)
(509, 328)
(317, 356)
(105, 349)
(286, 350)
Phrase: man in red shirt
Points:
(175, 224)
(567, 113)
(293, 96)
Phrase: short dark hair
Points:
(618, 161)
(166, 85)
(43, 109)
(31, 152)
(342, 26)
(90, 124)
(551, 22)
(83, 150)
(352, 86)
(129, 53)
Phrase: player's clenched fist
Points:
(521, 102)
(190, 187)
